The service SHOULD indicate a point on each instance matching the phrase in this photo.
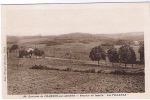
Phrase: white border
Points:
(66, 1)
(0, 57)
(147, 54)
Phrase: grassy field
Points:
(78, 51)
(69, 74)
(23, 80)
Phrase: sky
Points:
(57, 19)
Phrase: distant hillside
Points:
(29, 39)
(83, 36)
(127, 36)
(74, 37)
(12, 39)
(133, 36)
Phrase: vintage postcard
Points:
(97, 50)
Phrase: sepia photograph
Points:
(74, 48)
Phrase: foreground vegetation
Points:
(24, 80)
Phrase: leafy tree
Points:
(132, 59)
(13, 47)
(127, 55)
(113, 55)
(141, 51)
(22, 53)
(38, 52)
(97, 53)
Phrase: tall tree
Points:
(141, 51)
(127, 55)
(113, 55)
(132, 59)
(97, 53)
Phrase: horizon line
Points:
(77, 33)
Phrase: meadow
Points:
(67, 68)
(24, 80)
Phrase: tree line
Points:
(125, 54)
(26, 52)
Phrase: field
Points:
(23, 80)
(75, 73)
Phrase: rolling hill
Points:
(78, 36)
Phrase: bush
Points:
(76, 70)
(100, 71)
(38, 52)
(53, 69)
(39, 67)
(67, 69)
(90, 71)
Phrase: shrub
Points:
(39, 67)
(38, 52)
(90, 71)
(99, 71)
(53, 69)
(76, 70)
